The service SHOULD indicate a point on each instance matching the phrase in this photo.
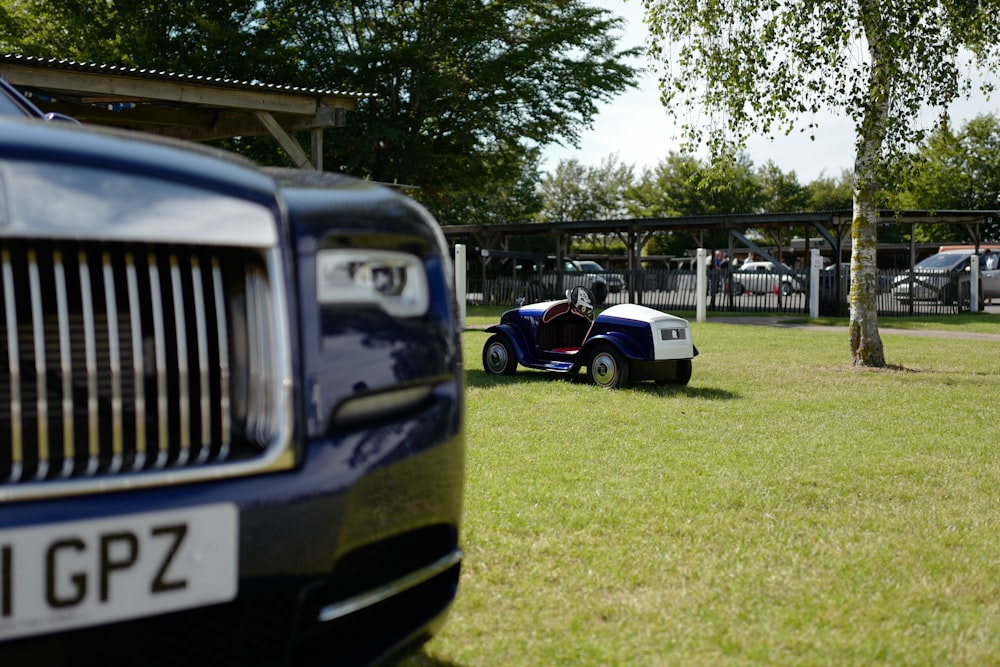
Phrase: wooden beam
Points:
(187, 122)
(316, 136)
(230, 125)
(141, 115)
(286, 140)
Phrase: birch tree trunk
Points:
(866, 344)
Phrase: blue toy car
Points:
(624, 344)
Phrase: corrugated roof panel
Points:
(157, 75)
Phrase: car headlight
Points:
(394, 281)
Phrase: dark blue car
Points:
(623, 344)
(231, 424)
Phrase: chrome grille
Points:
(124, 359)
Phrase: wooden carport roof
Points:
(489, 234)
(831, 226)
(196, 108)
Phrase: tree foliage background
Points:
(463, 92)
(956, 170)
(750, 67)
(467, 94)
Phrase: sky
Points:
(636, 127)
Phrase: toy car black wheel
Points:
(498, 356)
(737, 289)
(683, 372)
(607, 367)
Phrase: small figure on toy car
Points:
(625, 343)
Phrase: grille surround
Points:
(139, 364)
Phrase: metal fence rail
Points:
(673, 290)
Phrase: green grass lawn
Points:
(783, 509)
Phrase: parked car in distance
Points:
(597, 274)
(764, 277)
(623, 344)
(829, 272)
(580, 273)
(231, 427)
(944, 276)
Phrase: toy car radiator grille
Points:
(124, 359)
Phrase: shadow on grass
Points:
(474, 378)
(421, 659)
(481, 380)
(710, 393)
(893, 368)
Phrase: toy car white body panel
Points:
(671, 334)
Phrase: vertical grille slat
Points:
(221, 325)
(262, 341)
(41, 371)
(130, 359)
(115, 365)
(201, 337)
(16, 453)
(160, 366)
(142, 446)
(255, 349)
(65, 362)
(90, 364)
(183, 378)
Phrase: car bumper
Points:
(348, 559)
(920, 292)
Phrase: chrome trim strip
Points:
(65, 361)
(160, 359)
(201, 329)
(273, 397)
(413, 579)
(115, 364)
(265, 342)
(38, 337)
(183, 367)
(142, 446)
(280, 356)
(255, 383)
(222, 326)
(14, 365)
(90, 356)
(363, 407)
(260, 363)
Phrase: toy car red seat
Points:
(566, 323)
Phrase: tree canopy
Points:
(958, 170)
(464, 91)
(679, 185)
(747, 67)
(684, 185)
(828, 193)
(573, 191)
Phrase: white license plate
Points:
(75, 574)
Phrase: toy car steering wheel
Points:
(581, 301)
